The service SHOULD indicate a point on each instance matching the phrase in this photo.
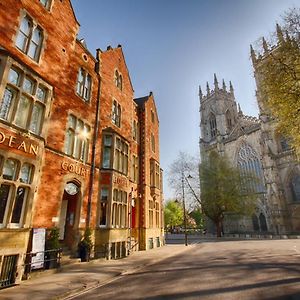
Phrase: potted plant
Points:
(52, 249)
(85, 245)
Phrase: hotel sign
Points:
(9, 140)
(74, 168)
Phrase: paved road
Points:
(214, 270)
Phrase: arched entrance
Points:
(68, 213)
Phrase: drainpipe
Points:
(95, 138)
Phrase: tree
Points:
(278, 74)
(225, 188)
(173, 214)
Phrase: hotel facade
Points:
(77, 149)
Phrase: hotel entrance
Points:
(68, 214)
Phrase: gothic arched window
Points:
(228, 120)
(213, 125)
(295, 187)
(263, 222)
(248, 161)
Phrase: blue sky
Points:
(173, 46)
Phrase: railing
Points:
(8, 270)
(48, 259)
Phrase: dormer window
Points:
(84, 84)
(30, 38)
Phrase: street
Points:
(264, 269)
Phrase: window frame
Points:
(80, 139)
(38, 107)
(14, 185)
(83, 88)
(29, 38)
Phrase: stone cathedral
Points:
(253, 144)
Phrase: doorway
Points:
(68, 214)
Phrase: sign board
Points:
(38, 248)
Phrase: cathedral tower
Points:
(218, 112)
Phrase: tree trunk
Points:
(219, 228)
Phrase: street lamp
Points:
(183, 204)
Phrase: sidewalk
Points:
(79, 276)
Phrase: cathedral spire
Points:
(279, 33)
(240, 110)
(253, 56)
(224, 85)
(207, 89)
(265, 45)
(231, 88)
(216, 84)
(200, 93)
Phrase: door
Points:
(62, 218)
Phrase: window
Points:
(84, 84)
(135, 169)
(24, 101)
(135, 130)
(107, 146)
(152, 116)
(118, 80)
(248, 161)
(30, 38)
(77, 139)
(152, 142)
(116, 113)
(14, 190)
(103, 207)
(157, 214)
(228, 120)
(119, 209)
(121, 156)
(46, 3)
(151, 209)
(213, 126)
(154, 174)
(295, 187)
(284, 144)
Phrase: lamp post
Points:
(184, 214)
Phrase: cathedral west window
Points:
(77, 139)
(213, 126)
(24, 101)
(15, 187)
(249, 162)
(84, 84)
(30, 38)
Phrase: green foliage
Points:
(197, 215)
(173, 214)
(225, 189)
(279, 80)
(52, 241)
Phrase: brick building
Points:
(76, 149)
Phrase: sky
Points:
(173, 46)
